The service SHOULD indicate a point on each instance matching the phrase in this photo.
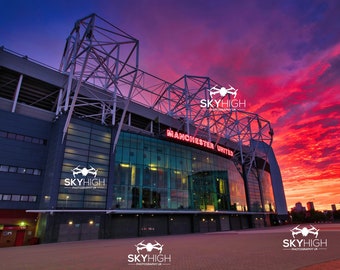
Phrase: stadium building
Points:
(103, 149)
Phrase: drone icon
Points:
(149, 247)
(305, 231)
(223, 91)
(84, 171)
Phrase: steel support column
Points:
(16, 95)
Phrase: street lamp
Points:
(67, 197)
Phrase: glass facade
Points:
(267, 193)
(254, 193)
(153, 173)
(83, 181)
(237, 192)
(261, 189)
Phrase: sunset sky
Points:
(283, 56)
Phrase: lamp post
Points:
(67, 197)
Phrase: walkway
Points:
(248, 249)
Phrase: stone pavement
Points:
(248, 249)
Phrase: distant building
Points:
(298, 208)
(310, 206)
(333, 207)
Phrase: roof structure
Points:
(98, 53)
(99, 78)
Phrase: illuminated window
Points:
(37, 172)
(24, 198)
(4, 168)
(21, 170)
(29, 171)
(32, 198)
(12, 169)
(6, 197)
(15, 198)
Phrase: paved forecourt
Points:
(248, 249)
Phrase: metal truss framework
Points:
(100, 54)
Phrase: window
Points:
(6, 197)
(37, 172)
(18, 198)
(24, 198)
(29, 171)
(20, 137)
(21, 170)
(12, 169)
(32, 198)
(4, 168)
(28, 139)
(11, 136)
(15, 198)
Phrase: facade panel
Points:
(170, 176)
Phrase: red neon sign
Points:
(194, 140)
